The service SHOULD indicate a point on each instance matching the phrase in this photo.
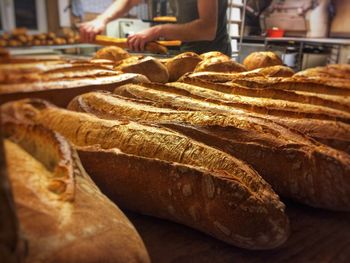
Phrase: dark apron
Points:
(187, 11)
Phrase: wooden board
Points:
(316, 236)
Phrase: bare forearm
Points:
(192, 31)
(117, 9)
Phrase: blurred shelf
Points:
(30, 50)
(330, 41)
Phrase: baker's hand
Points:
(89, 30)
(138, 41)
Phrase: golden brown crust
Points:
(98, 81)
(261, 60)
(332, 71)
(220, 64)
(335, 134)
(276, 71)
(214, 54)
(148, 66)
(185, 194)
(254, 79)
(112, 53)
(11, 250)
(181, 64)
(64, 229)
(266, 105)
(254, 140)
(331, 101)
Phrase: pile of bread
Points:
(20, 37)
(214, 150)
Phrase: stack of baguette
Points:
(158, 171)
(212, 150)
(26, 75)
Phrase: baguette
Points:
(253, 80)
(330, 71)
(314, 84)
(275, 71)
(73, 83)
(240, 208)
(334, 134)
(331, 101)
(249, 80)
(55, 199)
(62, 73)
(253, 140)
(266, 106)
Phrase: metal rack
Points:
(300, 43)
(48, 49)
(240, 4)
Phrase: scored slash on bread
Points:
(62, 213)
(238, 195)
(303, 163)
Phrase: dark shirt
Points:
(187, 11)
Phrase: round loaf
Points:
(261, 60)
(214, 54)
(219, 64)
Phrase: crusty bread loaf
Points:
(113, 53)
(266, 106)
(213, 54)
(261, 60)
(219, 64)
(181, 64)
(336, 71)
(116, 79)
(310, 84)
(222, 77)
(253, 80)
(331, 101)
(276, 71)
(11, 245)
(66, 72)
(61, 211)
(257, 141)
(332, 133)
(148, 66)
(192, 184)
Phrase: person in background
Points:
(202, 26)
